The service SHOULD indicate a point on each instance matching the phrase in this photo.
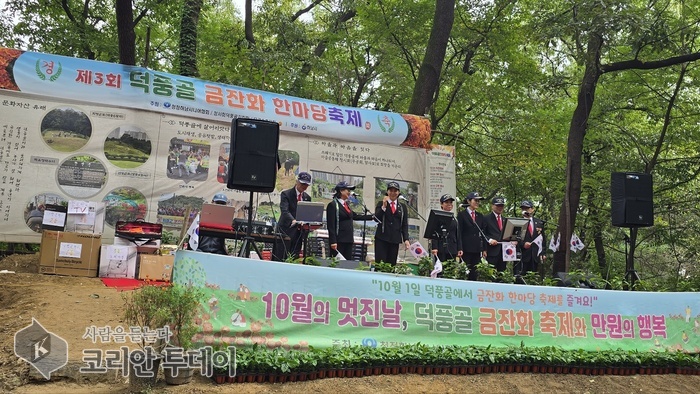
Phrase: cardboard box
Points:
(154, 267)
(65, 253)
(117, 261)
(85, 217)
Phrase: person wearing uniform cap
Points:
(470, 223)
(211, 244)
(392, 229)
(493, 229)
(339, 217)
(531, 254)
(450, 248)
(288, 212)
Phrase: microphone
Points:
(403, 198)
(354, 194)
(526, 213)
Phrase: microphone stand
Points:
(364, 225)
(402, 198)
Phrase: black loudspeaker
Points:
(252, 164)
(632, 199)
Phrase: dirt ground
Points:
(66, 306)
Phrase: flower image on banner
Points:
(417, 250)
(509, 253)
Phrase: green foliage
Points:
(403, 269)
(169, 238)
(157, 306)
(258, 359)
(383, 267)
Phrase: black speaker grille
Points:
(253, 160)
(632, 202)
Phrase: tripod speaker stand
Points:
(248, 241)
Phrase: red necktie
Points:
(345, 205)
(393, 207)
(500, 223)
(529, 227)
(473, 216)
(299, 197)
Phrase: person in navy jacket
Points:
(288, 212)
(392, 229)
(339, 219)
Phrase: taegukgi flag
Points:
(509, 253)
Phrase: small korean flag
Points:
(509, 252)
(417, 250)
(193, 232)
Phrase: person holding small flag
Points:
(532, 251)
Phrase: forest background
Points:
(543, 99)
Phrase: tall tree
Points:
(125, 32)
(188, 37)
(431, 66)
(599, 26)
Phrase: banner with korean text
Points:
(156, 146)
(296, 306)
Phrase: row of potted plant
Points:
(260, 364)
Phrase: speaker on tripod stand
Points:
(252, 165)
(632, 206)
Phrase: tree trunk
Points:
(429, 74)
(249, 22)
(577, 133)
(188, 38)
(125, 32)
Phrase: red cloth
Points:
(500, 223)
(347, 208)
(529, 227)
(473, 216)
(299, 197)
(393, 207)
(122, 284)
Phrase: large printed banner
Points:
(140, 88)
(295, 306)
(73, 129)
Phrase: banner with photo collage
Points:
(154, 145)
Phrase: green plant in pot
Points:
(181, 303)
(146, 309)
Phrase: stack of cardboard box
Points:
(71, 240)
(71, 244)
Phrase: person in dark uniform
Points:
(339, 218)
(288, 212)
(470, 223)
(450, 247)
(493, 229)
(211, 244)
(392, 229)
(531, 253)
